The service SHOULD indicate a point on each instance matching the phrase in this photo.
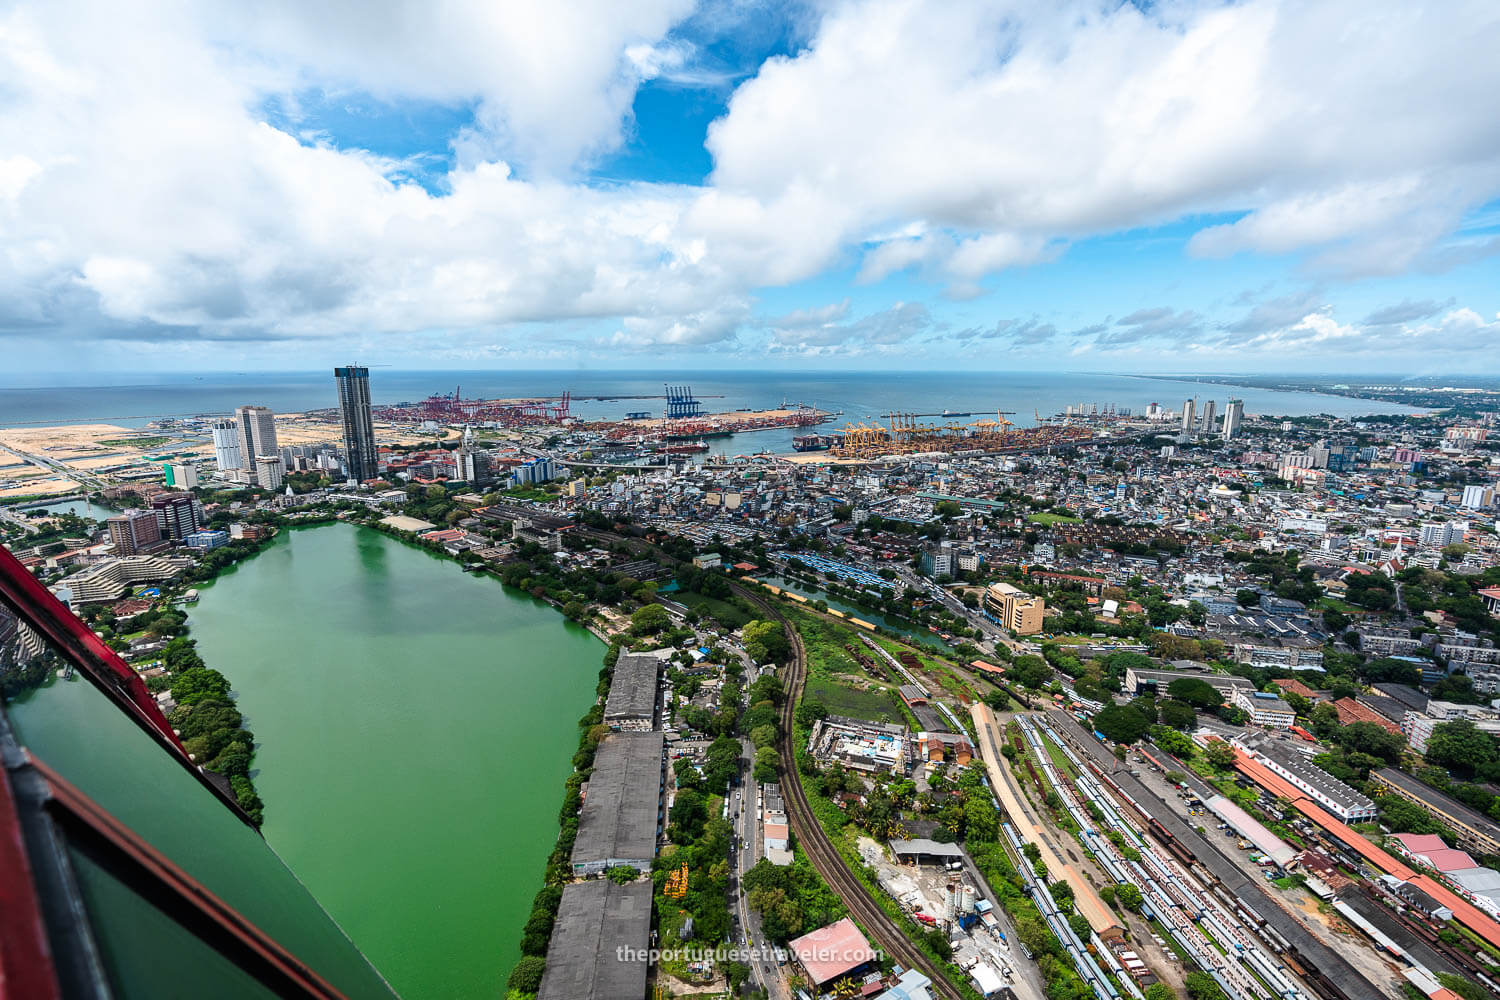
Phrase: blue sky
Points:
(879, 184)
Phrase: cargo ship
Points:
(813, 442)
(689, 448)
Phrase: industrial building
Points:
(1015, 609)
(599, 942)
(1323, 788)
(621, 814)
(1472, 829)
(631, 705)
(870, 747)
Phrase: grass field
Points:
(875, 705)
(729, 615)
(141, 442)
(1051, 519)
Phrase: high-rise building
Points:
(257, 426)
(178, 514)
(183, 475)
(1234, 414)
(1188, 407)
(1207, 421)
(1478, 497)
(268, 475)
(227, 454)
(359, 429)
(134, 532)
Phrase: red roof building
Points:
(1351, 711)
(833, 951)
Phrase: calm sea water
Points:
(135, 400)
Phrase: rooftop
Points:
(594, 919)
(828, 952)
(618, 819)
(1446, 804)
(632, 692)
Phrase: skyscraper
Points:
(268, 472)
(1208, 417)
(1234, 412)
(178, 514)
(359, 429)
(1187, 415)
(134, 531)
(257, 433)
(227, 454)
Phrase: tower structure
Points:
(1234, 413)
(1188, 414)
(359, 428)
(257, 434)
(227, 454)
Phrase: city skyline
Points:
(1196, 187)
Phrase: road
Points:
(60, 468)
(744, 807)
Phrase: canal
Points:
(415, 725)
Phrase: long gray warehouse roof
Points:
(632, 691)
(618, 820)
(595, 920)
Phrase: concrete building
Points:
(598, 949)
(631, 705)
(1266, 710)
(360, 454)
(182, 475)
(1189, 416)
(1473, 830)
(1478, 497)
(206, 540)
(178, 514)
(227, 454)
(1206, 421)
(1317, 784)
(1015, 609)
(1438, 535)
(134, 532)
(621, 815)
(1234, 415)
(109, 580)
(268, 473)
(257, 433)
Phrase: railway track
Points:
(814, 840)
(810, 833)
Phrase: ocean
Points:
(132, 401)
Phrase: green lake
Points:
(415, 725)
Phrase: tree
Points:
(1196, 692)
(1460, 746)
(1220, 754)
(1160, 991)
(1121, 723)
(1178, 714)
(621, 874)
(526, 977)
(1030, 671)
(1172, 741)
(767, 765)
(766, 642)
(649, 620)
(1129, 896)
(1202, 986)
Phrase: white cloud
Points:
(143, 195)
(1029, 122)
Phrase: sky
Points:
(1307, 186)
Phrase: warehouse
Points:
(621, 813)
(631, 705)
(595, 921)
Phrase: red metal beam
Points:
(25, 957)
(39, 608)
(168, 886)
